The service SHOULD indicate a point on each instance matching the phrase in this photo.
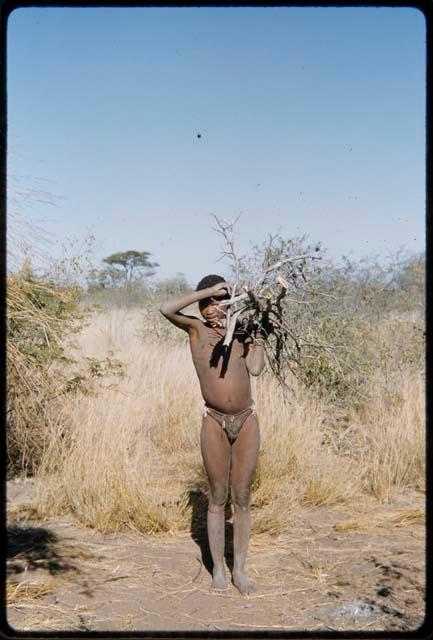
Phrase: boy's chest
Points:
(208, 350)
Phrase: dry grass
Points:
(408, 517)
(132, 453)
(27, 591)
(378, 520)
(391, 444)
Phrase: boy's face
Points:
(210, 309)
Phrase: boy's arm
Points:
(171, 308)
(255, 358)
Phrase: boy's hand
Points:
(220, 289)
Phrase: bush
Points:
(347, 321)
(40, 317)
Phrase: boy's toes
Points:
(243, 583)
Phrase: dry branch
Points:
(265, 301)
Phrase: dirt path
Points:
(331, 570)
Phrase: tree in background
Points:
(132, 261)
(123, 268)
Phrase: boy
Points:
(229, 436)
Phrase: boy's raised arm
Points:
(171, 308)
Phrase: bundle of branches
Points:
(277, 293)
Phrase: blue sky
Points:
(311, 121)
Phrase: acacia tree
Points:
(135, 264)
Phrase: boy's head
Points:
(209, 281)
(209, 308)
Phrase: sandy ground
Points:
(332, 569)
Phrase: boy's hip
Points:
(231, 423)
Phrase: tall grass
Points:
(131, 455)
(393, 435)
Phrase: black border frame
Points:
(426, 8)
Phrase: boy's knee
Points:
(218, 495)
(241, 498)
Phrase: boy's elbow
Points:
(255, 370)
(163, 309)
(258, 371)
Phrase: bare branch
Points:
(281, 299)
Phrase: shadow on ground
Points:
(198, 502)
(31, 548)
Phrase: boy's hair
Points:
(209, 281)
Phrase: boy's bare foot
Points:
(242, 582)
(219, 581)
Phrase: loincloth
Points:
(231, 424)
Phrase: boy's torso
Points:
(222, 371)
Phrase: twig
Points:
(226, 230)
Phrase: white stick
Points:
(231, 328)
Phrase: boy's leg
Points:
(216, 452)
(245, 452)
